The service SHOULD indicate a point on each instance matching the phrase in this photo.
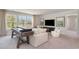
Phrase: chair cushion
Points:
(25, 30)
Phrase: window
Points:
(19, 21)
(11, 21)
(29, 21)
(24, 21)
(60, 21)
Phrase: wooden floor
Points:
(63, 42)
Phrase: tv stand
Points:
(49, 29)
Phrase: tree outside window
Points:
(11, 22)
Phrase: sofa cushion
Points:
(25, 30)
(38, 30)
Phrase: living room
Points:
(52, 28)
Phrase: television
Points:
(50, 22)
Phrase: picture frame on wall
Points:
(60, 21)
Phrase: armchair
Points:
(55, 33)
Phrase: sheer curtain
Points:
(2, 23)
(72, 23)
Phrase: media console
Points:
(49, 29)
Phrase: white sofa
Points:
(40, 36)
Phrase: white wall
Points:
(66, 14)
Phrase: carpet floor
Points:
(63, 42)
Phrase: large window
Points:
(19, 21)
(24, 21)
(29, 21)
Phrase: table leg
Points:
(12, 34)
(18, 43)
(27, 39)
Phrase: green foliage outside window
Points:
(11, 22)
(60, 22)
(20, 21)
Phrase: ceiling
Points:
(39, 11)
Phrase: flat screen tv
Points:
(50, 22)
